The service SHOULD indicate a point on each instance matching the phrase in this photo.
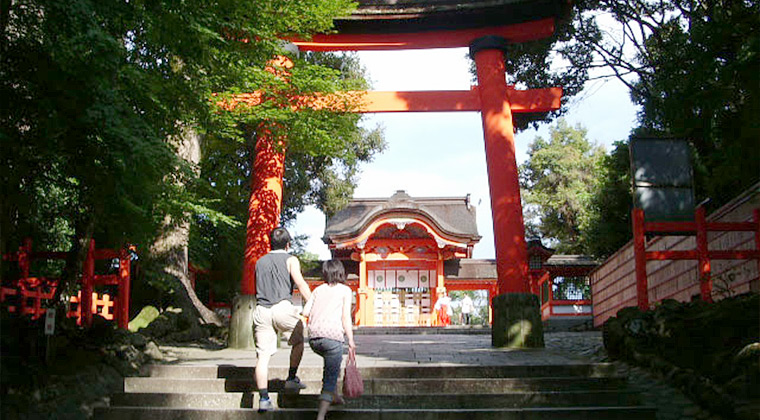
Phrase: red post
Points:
(506, 207)
(703, 258)
(640, 258)
(88, 281)
(122, 307)
(265, 203)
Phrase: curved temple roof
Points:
(397, 16)
(454, 218)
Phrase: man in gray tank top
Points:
(276, 274)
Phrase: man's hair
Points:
(279, 238)
(333, 272)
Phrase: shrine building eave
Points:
(405, 16)
(451, 221)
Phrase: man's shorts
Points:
(283, 318)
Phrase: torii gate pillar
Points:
(517, 317)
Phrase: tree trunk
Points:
(75, 258)
(172, 244)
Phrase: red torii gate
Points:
(492, 97)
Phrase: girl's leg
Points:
(333, 358)
(332, 353)
(323, 407)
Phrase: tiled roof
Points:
(571, 260)
(454, 217)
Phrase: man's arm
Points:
(294, 268)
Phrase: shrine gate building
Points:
(402, 253)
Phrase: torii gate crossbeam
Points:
(492, 97)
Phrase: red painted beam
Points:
(572, 302)
(731, 227)
(670, 227)
(671, 255)
(743, 254)
(521, 32)
(521, 101)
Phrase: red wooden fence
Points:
(30, 292)
(727, 234)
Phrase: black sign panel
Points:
(662, 179)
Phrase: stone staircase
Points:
(570, 391)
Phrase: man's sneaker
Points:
(294, 384)
(265, 405)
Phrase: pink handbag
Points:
(353, 386)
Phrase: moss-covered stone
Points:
(144, 318)
(708, 350)
(517, 321)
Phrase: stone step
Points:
(596, 413)
(509, 400)
(390, 386)
(188, 400)
(450, 401)
(595, 370)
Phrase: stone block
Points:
(241, 322)
(517, 321)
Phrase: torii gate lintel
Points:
(496, 101)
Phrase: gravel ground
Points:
(671, 403)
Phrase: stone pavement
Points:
(464, 349)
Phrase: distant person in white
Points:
(467, 309)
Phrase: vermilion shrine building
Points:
(402, 253)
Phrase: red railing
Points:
(30, 292)
(700, 227)
(559, 307)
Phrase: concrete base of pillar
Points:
(517, 321)
(241, 323)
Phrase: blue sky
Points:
(442, 154)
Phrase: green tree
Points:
(558, 181)
(96, 94)
(609, 226)
(692, 67)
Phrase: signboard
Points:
(663, 184)
(50, 321)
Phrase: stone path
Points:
(671, 403)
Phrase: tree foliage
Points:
(609, 226)
(692, 66)
(94, 92)
(559, 180)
